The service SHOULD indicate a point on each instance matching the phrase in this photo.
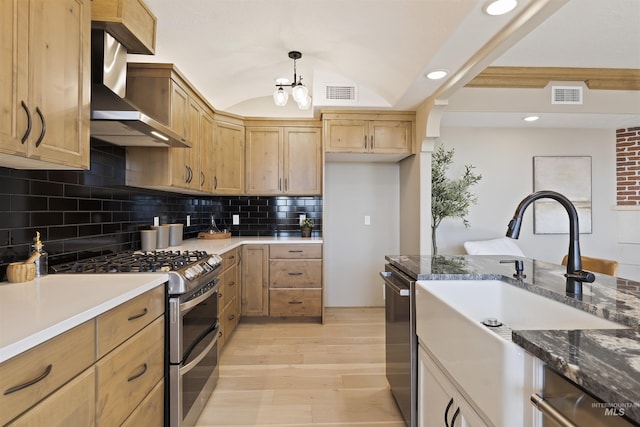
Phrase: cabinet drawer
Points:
(118, 324)
(295, 302)
(295, 251)
(128, 374)
(295, 274)
(228, 287)
(73, 405)
(229, 258)
(55, 361)
(150, 413)
(228, 321)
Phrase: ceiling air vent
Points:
(566, 94)
(342, 93)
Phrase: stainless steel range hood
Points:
(113, 118)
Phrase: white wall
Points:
(504, 157)
(354, 252)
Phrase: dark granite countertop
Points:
(604, 362)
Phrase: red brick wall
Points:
(628, 166)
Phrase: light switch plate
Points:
(302, 218)
(236, 220)
(156, 221)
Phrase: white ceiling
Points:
(233, 50)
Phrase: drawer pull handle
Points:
(295, 274)
(139, 374)
(231, 283)
(39, 378)
(295, 302)
(233, 316)
(295, 251)
(219, 294)
(137, 316)
(232, 257)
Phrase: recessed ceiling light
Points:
(500, 7)
(436, 74)
(531, 118)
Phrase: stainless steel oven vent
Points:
(342, 93)
(566, 95)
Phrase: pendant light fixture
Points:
(299, 92)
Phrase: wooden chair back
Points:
(597, 265)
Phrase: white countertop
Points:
(36, 311)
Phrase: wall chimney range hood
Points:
(113, 118)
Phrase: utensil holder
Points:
(21, 272)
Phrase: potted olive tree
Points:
(306, 225)
(449, 197)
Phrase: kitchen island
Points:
(604, 362)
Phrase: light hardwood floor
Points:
(305, 374)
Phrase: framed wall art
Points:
(569, 176)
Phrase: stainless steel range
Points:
(192, 321)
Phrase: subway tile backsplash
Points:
(85, 213)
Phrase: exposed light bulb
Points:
(300, 92)
(500, 7)
(305, 104)
(280, 97)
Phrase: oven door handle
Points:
(197, 300)
(550, 411)
(186, 368)
(395, 288)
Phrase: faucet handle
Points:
(581, 276)
(519, 265)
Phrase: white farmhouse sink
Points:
(495, 374)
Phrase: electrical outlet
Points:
(156, 221)
(188, 220)
(236, 220)
(302, 218)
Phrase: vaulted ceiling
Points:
(233, 50)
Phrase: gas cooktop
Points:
(133, 262)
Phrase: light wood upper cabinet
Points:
(228, 158)
(206, 178)
(368, 133)
(283, 160)
(45, 75)
(129, 21)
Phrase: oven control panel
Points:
(202, 267)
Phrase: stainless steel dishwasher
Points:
(401, 341)
(563, 404)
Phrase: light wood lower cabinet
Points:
(102, 372)
(255, 280)
(73, 405)
(295, 280)
(31, 376)
(127, 375)
(229, 295)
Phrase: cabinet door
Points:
(59, 70)
(263, 157)
(303, 161)
(13, 78)
(193, 153)
(255, 280)
(179, 109)
(390, 136)
(346, 136)
(228, 142)
(206, 153)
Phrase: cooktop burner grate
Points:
(133, 262)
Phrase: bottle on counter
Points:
(42, 263)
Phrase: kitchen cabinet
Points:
(129, 21)
(29, 377)
(129, 373)
(295, 280)
(186, 170)
(368, 133)
(228, 157)
(255, 280)
(73, 405)
(283, 160)
(45, 81)
(438, 398)
(229, 295)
